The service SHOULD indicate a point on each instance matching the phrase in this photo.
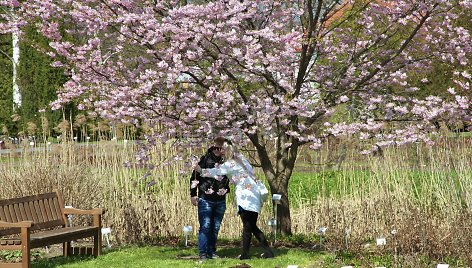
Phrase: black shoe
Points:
(203, 258)
(267, 255)
(213, 256)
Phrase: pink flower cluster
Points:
(255, 68)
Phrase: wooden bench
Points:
(41, 220)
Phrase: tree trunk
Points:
(15, 61)
(284, 221)
(278, 173)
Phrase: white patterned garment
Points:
(247, 195)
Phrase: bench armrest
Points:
(21, 224)
(75, 211)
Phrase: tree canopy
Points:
(264, 71)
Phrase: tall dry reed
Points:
(418, 197)
(420, 193)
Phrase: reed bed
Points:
(417, 197)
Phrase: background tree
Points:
(272, 73)
(9, 53)
(6, 84)
(29, 85)
(39, 81)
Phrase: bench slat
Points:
(25, 199)
(13, 213)
(43, 210)
(16, 209)
(47, 210)
(62, 235)
(57, 208)
(10, 242)
(28, 213)
(53, 204)
(50, 208)
(8, 213)
(46, 225)
(33, 211)
(37, 209)
(3, 217)
(21, 206)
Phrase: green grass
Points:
(312, 185)
(177, 257)
(180, 257)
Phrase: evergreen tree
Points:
(6, 84)
(38, 80)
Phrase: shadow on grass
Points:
(229, 252)
(51, 262)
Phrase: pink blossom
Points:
(241, 68)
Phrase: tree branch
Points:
(8, 56)
(398, 52)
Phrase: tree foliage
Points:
(267, 72)
(38, 80)
(6, 82)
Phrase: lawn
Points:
(180, 257)
(176, 257)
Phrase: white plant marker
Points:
(347, 266)
(442, 265)
(322, 233)
(347, 232)
(186, 230)
(106, 232)
(292, 266)
(381, 241)
(276, 199)
(322, 230)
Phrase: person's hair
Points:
(230, 150)
(221, 140)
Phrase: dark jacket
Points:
(208, 187)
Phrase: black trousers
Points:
(249, 219)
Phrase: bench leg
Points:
(25, 255)
(25, 248)
(97, 244)
(66, 249)
(97, 238)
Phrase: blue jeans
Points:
(210, 215)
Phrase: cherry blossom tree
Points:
(269, 72)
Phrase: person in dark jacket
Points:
(209, 194)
